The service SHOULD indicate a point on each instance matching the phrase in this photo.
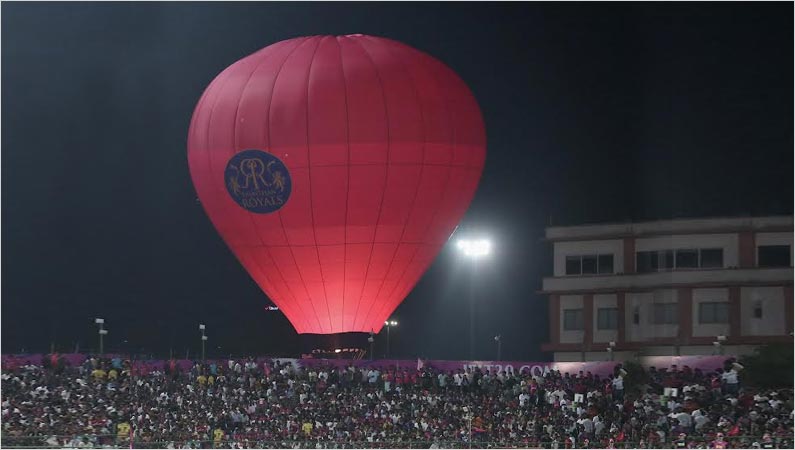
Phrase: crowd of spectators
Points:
(240, 404)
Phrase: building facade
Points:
(678, 287)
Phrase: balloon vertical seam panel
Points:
(335, 169)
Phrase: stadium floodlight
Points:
(610, 348)
(389, 324)
(474, 248)
(719, 344)
(102, 332)
(202, 327)
(338, 351)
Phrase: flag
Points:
(420, 365)
(734, 431)
(620, 437)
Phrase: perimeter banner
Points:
(601, 368)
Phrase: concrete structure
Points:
(669, 287)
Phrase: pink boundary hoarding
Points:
(601, 368)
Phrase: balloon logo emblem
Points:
(257, 181)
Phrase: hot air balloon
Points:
(335, 168)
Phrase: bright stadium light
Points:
(389, 324)
(102, 332)
(338, 350)
(474, 248)
(202, 328)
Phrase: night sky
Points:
(594, 113)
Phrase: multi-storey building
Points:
(676, 287)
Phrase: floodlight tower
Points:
(474, 250)
(102, 333)
(204, 338)
(389, 324)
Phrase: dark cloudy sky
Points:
(594, 113)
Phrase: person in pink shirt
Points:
(719, 443)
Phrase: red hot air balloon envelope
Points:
(336, 168)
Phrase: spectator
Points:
(279, 406)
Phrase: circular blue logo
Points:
(258, 181)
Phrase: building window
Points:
(687, 259)
(589, 264)
(666, 259)
(713, 312)
(605, 263)
(711, 257)
(774, 256)
(758, 310)
(664, 314)
(572, 319)
(654, 261)
(646, 262)
(661, 260)
(607, 319)
(573, 266)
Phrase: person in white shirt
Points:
(586, 423)
(598, 426)
(700, 419)
(731, 382)
(685, 419)
(458, 379)
(618, 387)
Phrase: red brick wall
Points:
(587, 312)
(554, 319)
(747, 249)
(629, 255)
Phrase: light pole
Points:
(389, 324)
(719, 344)
(474, 249)
(498, 340)
(204, 338)
(371, 340)
(102, 333)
